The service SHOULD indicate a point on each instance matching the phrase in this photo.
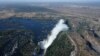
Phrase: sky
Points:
(49, 0)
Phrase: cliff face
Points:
(85, 34)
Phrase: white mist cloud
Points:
(60, 26)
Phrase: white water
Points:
(60, 26)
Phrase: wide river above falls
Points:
(40, 27)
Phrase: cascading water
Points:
(60, 26)
(36, 26)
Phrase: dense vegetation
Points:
(16, 43)
(61, 46)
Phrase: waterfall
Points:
(60, 26)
